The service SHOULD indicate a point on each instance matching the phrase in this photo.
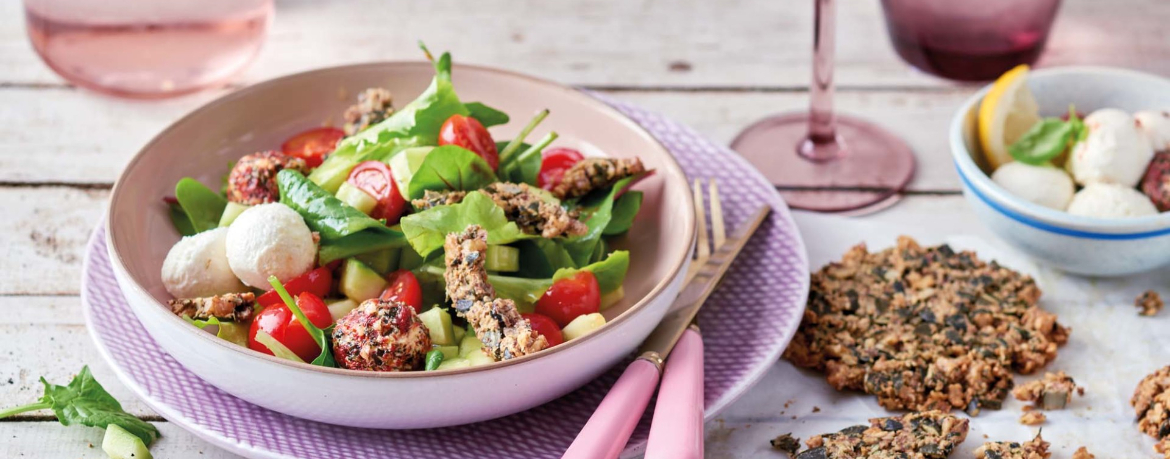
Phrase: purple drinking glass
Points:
(969, 40)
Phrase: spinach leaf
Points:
(359, 243)
(486, 116)
(84, 401)
(596, 211)
(416, 124)
(427, 230)
(541, 258)
(610, 272)
(344, 231)
(181, 221)
(202, 205)
(624, 210)
(321, 337)
(450, 168)
(517, 170)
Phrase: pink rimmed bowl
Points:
(259, 117)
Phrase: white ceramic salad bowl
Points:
(256, 118)
(1076, 244)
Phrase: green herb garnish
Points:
(1048, 138)
(325, 359)
(85, 402)
(434, 358)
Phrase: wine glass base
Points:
(866, 168)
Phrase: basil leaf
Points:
(486, 116)
(427, 230)
(450, 168)
(1044, 141)
(624, 210)
(202, 205)
(86, 402)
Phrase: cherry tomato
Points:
(570, 297)
(403, 287)
(556, 161)
(313, 145)
(545, 326)
(374, 178)
(282, 324)
(466, 132)
(318, 282)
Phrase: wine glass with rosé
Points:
(969, 40)
(820, 160)
(147, 48)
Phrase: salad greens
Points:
(450, 168)
(513, 168)
(325, 359)
(596, 212)
(344, 231)
(198, 208)
(1048, 138)
(434, 359)
(427, 230)
(624, 210)
(486, 116)
(232, 332)
(84, 401)
(610, 273)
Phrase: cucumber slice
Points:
(469, 344)
(403, 166)
(502, 258)
(359, 282)
(583, 325)
(230, 212)
(460, 332)
(119, 443)
(438, 322)
(382, 261)
(356, 198)
(449, 352)
(339, 309)
(611, 298)
(453, 363)
(478, 358)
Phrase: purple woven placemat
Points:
(746, 324)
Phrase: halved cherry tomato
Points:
(374, 178)
(468, 133)
(317, 282)
(403, 287)
(570, 297)
(556, 161)
(545, 326)
(313, 145)
(282, 324)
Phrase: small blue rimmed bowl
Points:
(1071, 243)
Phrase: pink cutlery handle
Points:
(608, 430)
(677, 429)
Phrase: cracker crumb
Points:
(1032, 418)
(1148, 303)
(1037, 448)
(1083, 453)
(816, 409)
(1151, 402)
(787, 443)
(1052, 392)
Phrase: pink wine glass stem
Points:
(822, 125)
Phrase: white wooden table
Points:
(716, 66)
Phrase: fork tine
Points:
(702, 250)
(717, 228)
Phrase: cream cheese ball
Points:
(1114, 151)
(269, 240)
(1110, 200)
(1043, 185)
(1155, 124)
(197, 266)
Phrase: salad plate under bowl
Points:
(202, 144)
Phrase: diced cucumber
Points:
(381, 261)
(403, 166)
(460, 332)
(502, 258)
(409, 259)
(469, 344)
(479, 357)
(438, 322)
(119, 443)
(356, 198)
(340, 308)
(230, 212)
(449, 352)
(359, 282)
(611, 298)
(583, 325)
(453, 363)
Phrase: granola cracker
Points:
(1053, 392)
(1151, 403)
(924, 328)
(1083, 453)
(1035, 449)
(931, 434)
(1149, 303)
(236, 307)
(522, 204)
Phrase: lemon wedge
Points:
(1008, 110)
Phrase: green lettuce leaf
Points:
(597, 212)
(486, 116)
(202, 206)
(426, 230)
(344, 231)
(610, 272)
(450, 168)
